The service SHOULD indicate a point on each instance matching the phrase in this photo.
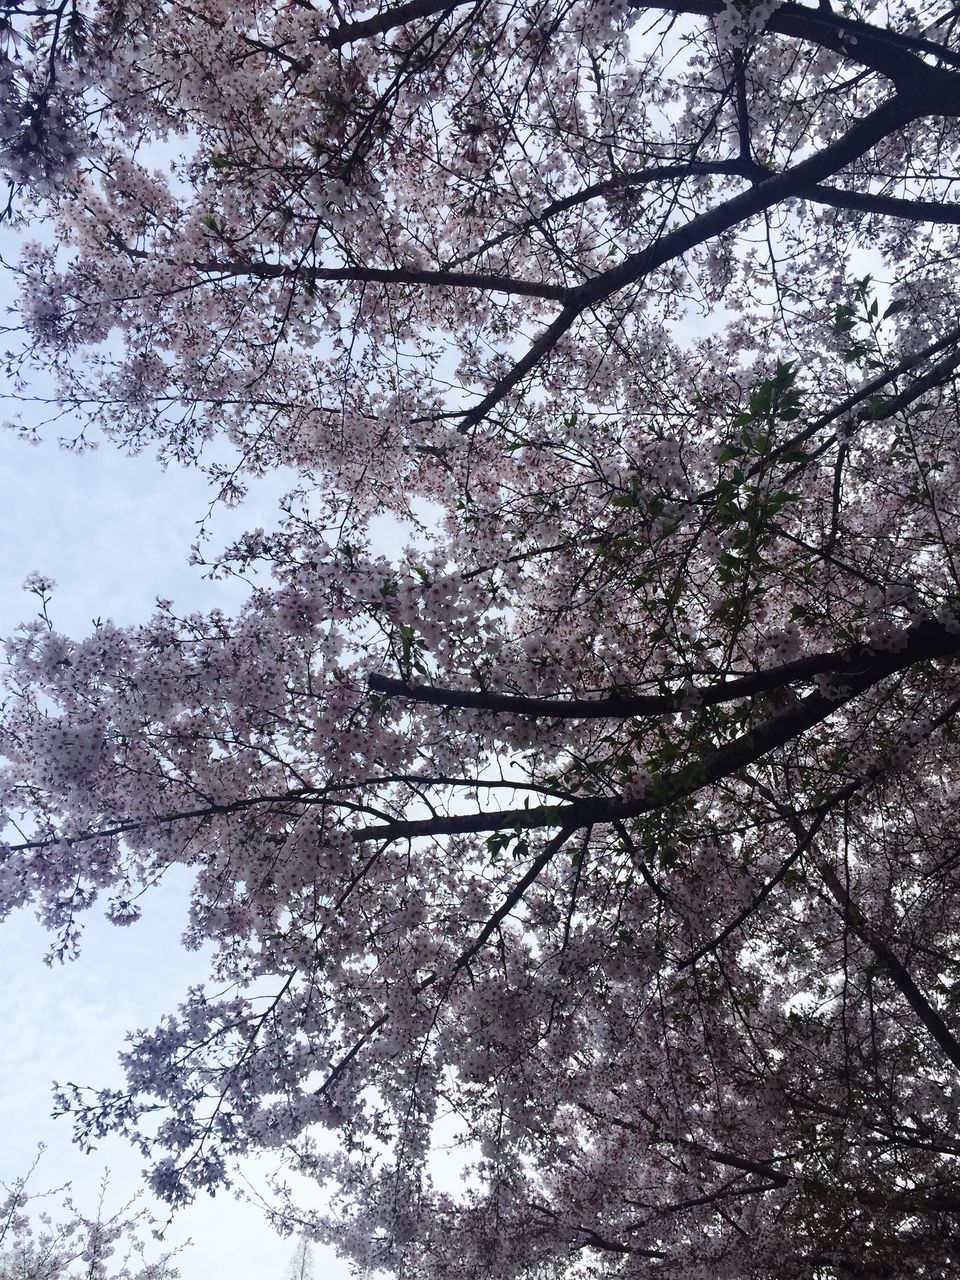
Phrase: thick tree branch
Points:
(895, 56)
(842, 664)
(924, 642)
(489, 282)
(387, 20)
(885, 206)
(888, 118)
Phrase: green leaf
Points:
(843, 320)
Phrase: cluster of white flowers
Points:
(40, 140)
(742, 20)
(884, 636)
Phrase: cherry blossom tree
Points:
(71, 1245)
(583, 876)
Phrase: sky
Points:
(115, 533)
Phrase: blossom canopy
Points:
(582, 875)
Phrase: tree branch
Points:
(860, 138)
(923, 642)
(895, 56)
(886, 206)
(488, 281)
(841, 664)
(388, 20)
(855, 918)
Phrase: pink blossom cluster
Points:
(72, 1245)
(741, 20)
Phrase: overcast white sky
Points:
(114, 533)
